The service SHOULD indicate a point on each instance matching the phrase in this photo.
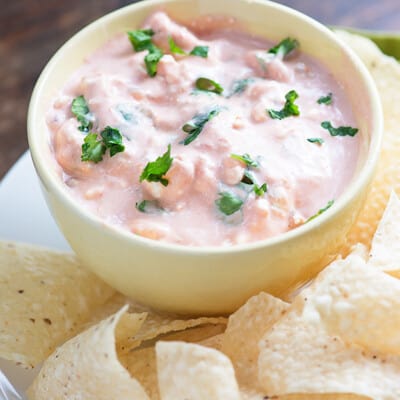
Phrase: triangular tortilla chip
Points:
(46, 297)
(385, 247)
(87, 366)
(191, 371)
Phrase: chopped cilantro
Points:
(285, 47)
(81, 111)
(142, 206)
(317, 140)
(141, 39)
(248, 178)
(151, 60)
(245, 158)
(320, 211)
(194, 127)
(327, 100)
(154, 171)
(260, 190)
(340, 131)
(209, 85)
(289, 109)
(112, 140)
(173, 47)
(239, 86)
(148, 206)
(200, 51)
(92, 149)
(228, 203)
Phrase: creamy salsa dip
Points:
(207, 136)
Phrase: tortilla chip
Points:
(245, 329)
(332, 339)
(141, 363)
(385, 248)
(357, 302)
(45, 299)
(157, 323)
(191, 371)
(87, 366)
(386, 74)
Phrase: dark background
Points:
(31, 30)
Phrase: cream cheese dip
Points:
(203, 137)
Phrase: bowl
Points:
(208, 280)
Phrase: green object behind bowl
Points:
(388, 42)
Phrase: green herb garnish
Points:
(317, 140)
(260, 190)
(148, 206)
(81, 111)
(289, 109)
(200, 51)
(141, 39)
(194, 127)
(209, 85)
(151, 60)
(92, 149)
(327, 100)
(285, 47)
(174, 48)
(154, 171)
(239, 86)
(246, 158)
(340, 131)
(320, 211)
(228, 203)
(112, 139)
(248, 178)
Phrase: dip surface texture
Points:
(239, 173)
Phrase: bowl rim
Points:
(56, 185)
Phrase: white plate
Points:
(24, 217)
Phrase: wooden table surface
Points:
(31, 30)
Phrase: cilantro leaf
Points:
(327, 100)
(148, 206)
(194, 127)
(340, 131)
(285, 47)
(320, 211)
(248, 178)
(173, 47)
(246, 158)
(112, 139)
(209, 85)
(92, 149)
(260, 190)
(81, 111)
(152, 58)
(239, 86)
(316, 140)
(154, 171)
(228, 203)
(141, 39)
(289, 109)
(200, 51)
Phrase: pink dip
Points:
(301, 177)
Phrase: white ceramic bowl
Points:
(208, 280)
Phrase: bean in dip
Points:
(203, 136)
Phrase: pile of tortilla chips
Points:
(338, 339)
